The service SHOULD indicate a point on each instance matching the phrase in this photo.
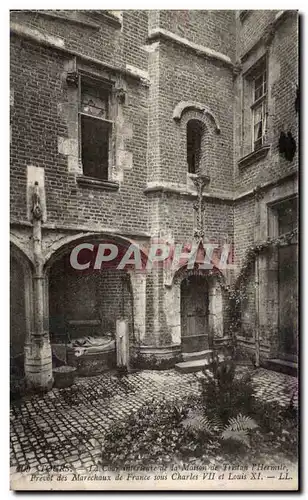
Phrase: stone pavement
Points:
(67, 426)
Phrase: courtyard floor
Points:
(67, 426)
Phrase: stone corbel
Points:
(72, 79)
(120, 94)
(168, 277)
(258, 193)
(237, 69)
(269, 34)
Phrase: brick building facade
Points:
(160, 97)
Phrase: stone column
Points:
(138, 283)
(122, 341)
(172, 308)
(215, 312)
(38, 357)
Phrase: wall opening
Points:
(194, 313)
(18, 325)
(194, 133)
(84, 307)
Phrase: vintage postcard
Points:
(154, 249)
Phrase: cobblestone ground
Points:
(66, 426)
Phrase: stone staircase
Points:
(194, 361)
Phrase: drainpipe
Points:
(257, 308)
(258, 195)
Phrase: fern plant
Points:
(236, 429)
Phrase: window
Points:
(95, 128)
(194, 138)
(259, 109)
(287, 216)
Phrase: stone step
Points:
(282, 366)
(192, 366)
(192, 356)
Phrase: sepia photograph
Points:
(154, 328)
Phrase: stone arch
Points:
(21, 306)
(183, 113)
(90, 303)
(65, 243)
(201, 110)
(216, 298)
(21, 250)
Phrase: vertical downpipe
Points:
(257, 308)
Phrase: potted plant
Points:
(64, 376)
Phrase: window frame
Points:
(260, 69)
(200, 129)
(83, 79)
(273, 209)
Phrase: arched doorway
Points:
(85, 307)
(86, 303)
(198, 313)
(17, 316)
(195, 313)
(20, 309)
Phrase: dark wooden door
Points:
(288, 301)
(194, 314)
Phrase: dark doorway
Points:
(17, 317)
(194, 314)
(287, 212)
(288, 302)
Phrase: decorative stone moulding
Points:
(196, 106)
(237, 69)
(120, 94)
(253, 157)
(72, 79)
(112, 16)
(91, 183)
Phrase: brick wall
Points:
(282, 53)
(190, 24)
(252, 28)
(193, 78)
(35, 130)
(104, 296)
(110, 42)
(43, 112)
(39, 95)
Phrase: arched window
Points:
(194, 137)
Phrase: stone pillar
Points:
(172, 307)
(160, 334)
(122, 341)
(38, 356)
(138, 283)
(215, 312)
